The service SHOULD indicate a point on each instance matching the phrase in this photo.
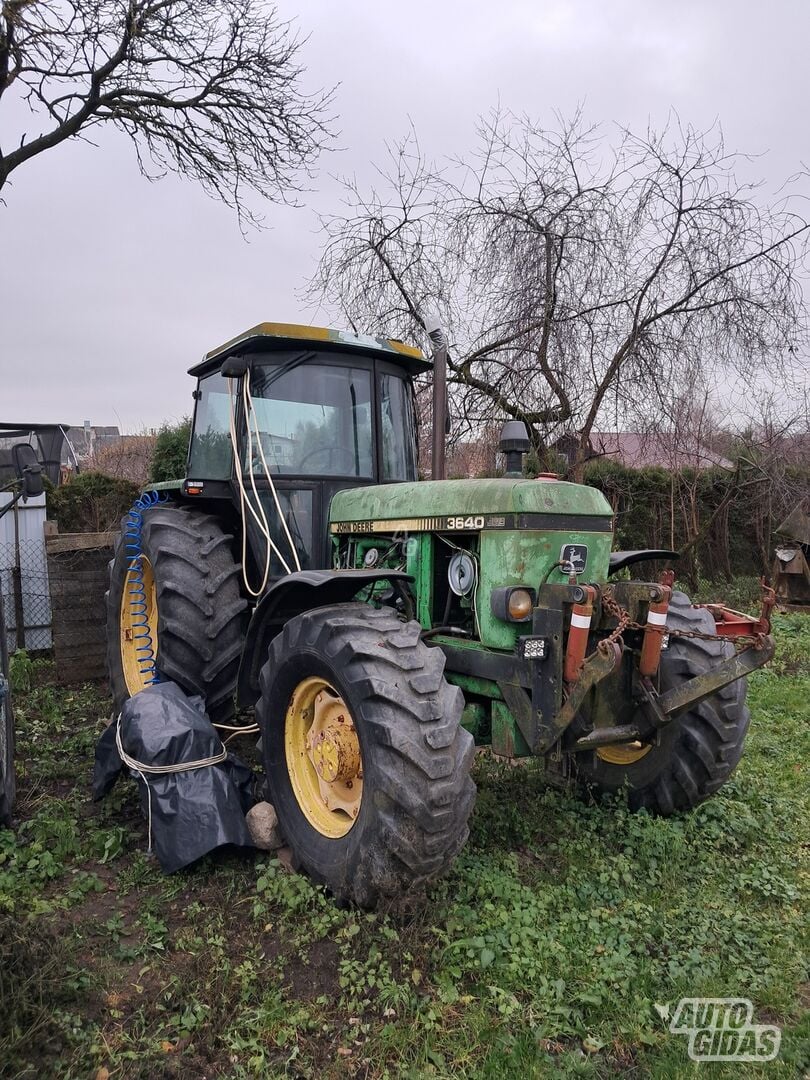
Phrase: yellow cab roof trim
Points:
(298, 332)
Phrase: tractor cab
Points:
(310, 412)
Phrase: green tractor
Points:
(383, 627)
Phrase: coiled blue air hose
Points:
(144, 645)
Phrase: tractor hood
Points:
(427, 505)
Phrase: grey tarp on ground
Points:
(194, 811)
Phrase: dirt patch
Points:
(317, 976)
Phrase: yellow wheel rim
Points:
(138, 626)
(324, 762)
(623, 753)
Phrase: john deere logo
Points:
(573, 558)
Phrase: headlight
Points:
(513, 603)
(519, 605)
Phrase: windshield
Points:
(313, 419)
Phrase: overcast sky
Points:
(111, 286)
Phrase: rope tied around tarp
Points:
(143, 770)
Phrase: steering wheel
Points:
(331, 451)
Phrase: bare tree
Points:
(775, 448)
(580, 280)
(761, 475)
(210, 89)
(128, 458)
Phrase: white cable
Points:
(236, 727)
(235, 730)
(266, 524)
(259, 503)
(252, 412)
(476, 622)
(253, 730)
(244, 500)
(160, 770)
(242, 494)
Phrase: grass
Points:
(544, 952)
(743, 593)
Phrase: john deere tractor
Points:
(381, 627)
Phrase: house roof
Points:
(669, 450)
(640, 449)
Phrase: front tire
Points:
(699, 750)
(352, 697)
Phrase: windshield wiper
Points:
(282, 369)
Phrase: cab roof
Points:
(268, 337)
(24, 429)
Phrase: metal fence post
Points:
(8, 784)
(16, 583)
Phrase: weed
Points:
(543, 952)
(20, 670)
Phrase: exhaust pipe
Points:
(438, 445)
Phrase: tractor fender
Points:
(290, 596)
(620, 559)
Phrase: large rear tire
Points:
(698, 751)
(367, 765)
(194, 609)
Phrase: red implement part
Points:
(654, 634)
(729, 623)
(578, 635)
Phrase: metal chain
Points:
(612, 606)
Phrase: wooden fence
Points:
(77, 570)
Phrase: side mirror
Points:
(27, 469)
(234, 367)
(33, 483)
(514, 444)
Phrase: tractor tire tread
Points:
(201, 612)
(712, 733)
(700, 749)
(423, 792)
